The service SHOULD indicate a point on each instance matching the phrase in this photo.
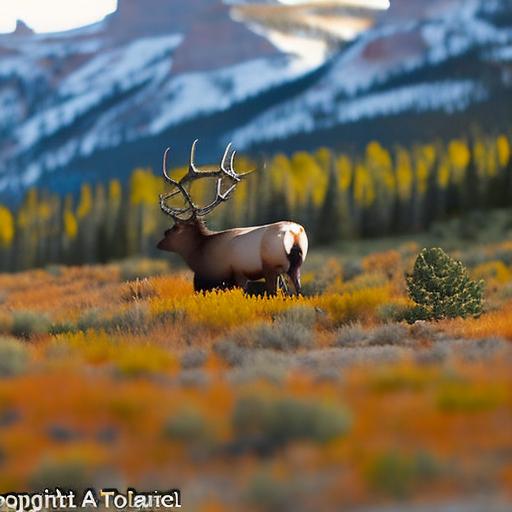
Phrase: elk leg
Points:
(295, 258)
(240, 281)
(202, 284)
(271, 282)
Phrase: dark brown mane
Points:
(202, 227)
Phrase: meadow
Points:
(119, 375)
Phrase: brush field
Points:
(119, 375)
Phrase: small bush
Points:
(27, 324)
(13, 357)
(441, 288)
(62, 328)
(280, 335)
(142, 268)
(350, 334)
(393, 312)
(68, 474)
(230, 352)
(140, 289)
(193, 358)
(187, 425)
(279, 421)
(389, 334)
(300, 315)
(136, 319)
(270, 494)
(90, 320)
(461, 398)
(353, 305)
(396, 475)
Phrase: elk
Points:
(230, 258)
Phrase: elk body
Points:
(230, 258)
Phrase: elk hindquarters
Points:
(202, 284)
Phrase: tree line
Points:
(380, 191)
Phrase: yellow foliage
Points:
(380, 166)
(364, 191)
(309, 179)
(459, 154)
(387, 262)
(70, 224)
(85, 202)
(357, 305)
(503, 147)
(6, 227)
(443, 173)
(223, 309)
(114, 191)
(404, 174)
(345, 172)
(495, 270)
(425, 157)
(378, 156)
(144, 187)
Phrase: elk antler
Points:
(191, 211)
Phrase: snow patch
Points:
(446, 96)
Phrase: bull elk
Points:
(230, 258)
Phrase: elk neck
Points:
(195, 236)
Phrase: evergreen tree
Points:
(441, 288)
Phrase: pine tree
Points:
(441, 288)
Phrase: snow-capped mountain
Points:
(148, 67)
(96, 102)
(454, 58)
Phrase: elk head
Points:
(189, 226)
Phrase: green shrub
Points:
(282, 334)
(135, 318)
(90, 319)
(301, 315)
(455, 398)
(393, 312)
(13, 357)
(26, 324)
(62, 328)
(396, 475)
(441, 288)
(68, 474)
(187, 425)
(389, 334)
(269, 494)
(350, 334)
(279, 421)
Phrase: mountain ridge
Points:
(96, 102)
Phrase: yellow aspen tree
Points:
(459, 156)
(70, 224)
(404, 174)
(308, 178)
(503, 148)
(364, 191)
(345, 172)
(6, 227)
(85, 202)
(443, 173)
